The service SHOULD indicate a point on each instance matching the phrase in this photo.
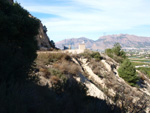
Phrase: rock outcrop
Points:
(42, 38)
(101, 80)
(111, 84)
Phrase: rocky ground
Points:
(100, 77)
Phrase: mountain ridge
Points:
(104, 42)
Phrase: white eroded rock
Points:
(108, 67)
(92, 89)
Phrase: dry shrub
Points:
(46, 73)
(66, 57)
(42, 59)
(86, 54)
(126, 90)
(67, 67)
(53, 57)
(74, 69)
(109, 84)
(56, 65)
(42, 70)
(47, 58)
(130, 101)
(98, 68)
(96, 71)
(57, 84)
(54, 80)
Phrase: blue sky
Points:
(91, 18)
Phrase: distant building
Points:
(75, 51)
(69, 47)
(65, 48)
(81, 46)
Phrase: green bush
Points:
(96, 55)
(128, 72)
(109, 52)
(116, 53)
(91, 54)
(116, 49)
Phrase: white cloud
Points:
(94, 15)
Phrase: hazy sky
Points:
(91, 18)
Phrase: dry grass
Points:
(54, 80)
(49, 73)
(46, 73)
(67, 67)
(56, 66)
(98, 68)
(48, 58)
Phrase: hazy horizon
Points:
(102, 36)
(67, 19)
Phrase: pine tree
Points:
(116, 49)
(128, 72)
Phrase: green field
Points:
(144, 70)
(137, 61)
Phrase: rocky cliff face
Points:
(42, 38)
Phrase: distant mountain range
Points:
(126, 41)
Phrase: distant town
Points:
(138, 52)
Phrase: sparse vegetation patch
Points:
(91, 54)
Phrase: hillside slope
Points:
(100, 78)
(58, 82)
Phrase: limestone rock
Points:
(42, 39)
